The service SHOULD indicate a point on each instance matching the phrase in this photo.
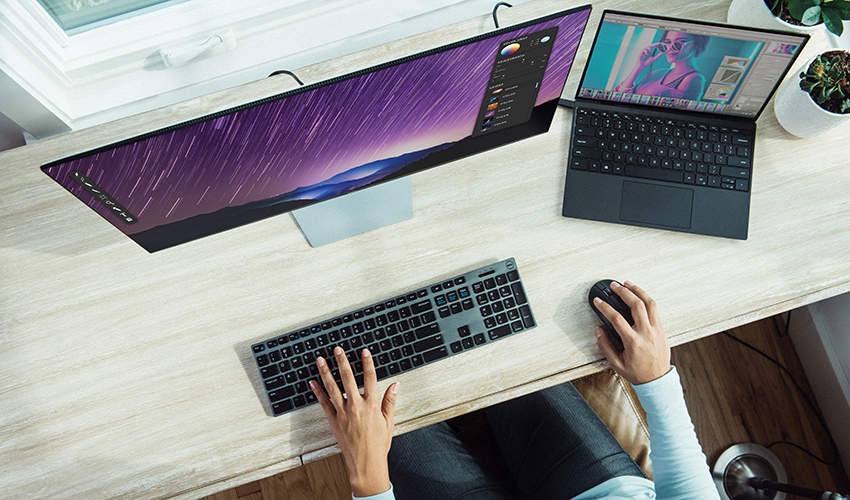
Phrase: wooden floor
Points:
(734, 396)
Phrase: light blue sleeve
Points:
(387, 495)
(679, 466)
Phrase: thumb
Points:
(388, 404)
(608, 349)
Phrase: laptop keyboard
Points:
(674, 150)
(402, 332)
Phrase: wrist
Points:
(369, 486)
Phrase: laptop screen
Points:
(690, 65)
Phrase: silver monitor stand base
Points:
(356, 213)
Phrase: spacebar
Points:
(652, 173)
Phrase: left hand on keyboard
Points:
(361, 424)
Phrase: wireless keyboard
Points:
(402, 332)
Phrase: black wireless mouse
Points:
(602, 289)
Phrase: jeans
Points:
(552, 443)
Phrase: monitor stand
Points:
(356, 212)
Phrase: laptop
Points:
(664, 124)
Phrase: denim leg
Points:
(555, 446)
(433, 464)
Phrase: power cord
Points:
(495, 19)
(286, 72)
(799, 388)
(787, 323)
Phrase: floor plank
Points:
(734, 396)
(737, 396)
(329, 478)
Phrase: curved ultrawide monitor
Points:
(324, 140)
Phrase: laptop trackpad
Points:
(653, 204)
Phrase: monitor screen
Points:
(327, 139)
(677, 63)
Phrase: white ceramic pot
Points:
(756, 14)
(799, 114)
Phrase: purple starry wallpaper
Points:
(312, 145)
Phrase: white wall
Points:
(821, 336)
(11, 135)
(52, 82)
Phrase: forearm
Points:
(678, 464)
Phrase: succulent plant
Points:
(811, 12)
(827, 80)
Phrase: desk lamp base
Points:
(740, 463)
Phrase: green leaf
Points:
(798, 7)
(833, 21)
(842, 7)
(811, 16)
(845, 106)
(807, 86)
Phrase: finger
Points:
(651, 307)
(333, 392)
(608, 349)
(370, 378)
(345, 372)
(633, 301)
(326, 404)
(616, 319)
(388, 403)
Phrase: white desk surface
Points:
(125, 374)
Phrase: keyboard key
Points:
(421, 307)
(499, 332)
(738, 161)
(427, 331)
(282, 407)
(429, 343)
(435, 354)
(269, 371)
(519, 294)
(277, 395)
(650, 173)
(527, 318)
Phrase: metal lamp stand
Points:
(752, 472)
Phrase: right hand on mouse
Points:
(646, 353)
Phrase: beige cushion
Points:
(615, 402)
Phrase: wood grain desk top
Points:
(125, 374)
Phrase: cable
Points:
(807, 452)
(802, 393)
(495, 19)
(787, 323)
(285, 72)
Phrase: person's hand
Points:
(646, 353)
(645, 58)
(362, 424)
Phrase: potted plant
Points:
(820, 101)
(797, 15)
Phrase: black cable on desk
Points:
(286, 72)
(495, 19)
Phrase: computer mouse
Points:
(602, 289)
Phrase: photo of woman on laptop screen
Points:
(681, 80)
(667, 67)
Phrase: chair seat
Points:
(616, 403)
